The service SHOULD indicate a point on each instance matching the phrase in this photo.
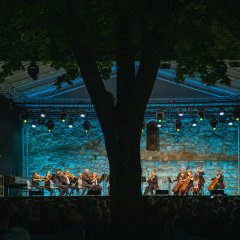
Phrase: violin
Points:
(213, 184)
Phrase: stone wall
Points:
(193, 147)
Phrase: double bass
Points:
(213, 184)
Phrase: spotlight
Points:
(82, 115)
(194, 122)
(34, 124)
(63, 117)
(221, 112)
(214, 123)
(201, 115)
(236, 114)
(43, 114)
(143, 126)
(180, 112)
(178, 125)
(70, 124)
(86, 126)
(230, 122)
(50, 125)
(159, 116)
(25, 117)
(159, 125)
(33, 70)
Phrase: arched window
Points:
(152, 136)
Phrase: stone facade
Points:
(192, 146)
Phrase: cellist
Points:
(180, 180)
(188, 184)
(217, 182)
(200, 180)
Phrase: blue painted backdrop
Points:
(192, 146)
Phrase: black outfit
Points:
(152, 185)
(86, 183)
(48, 186)
(199, 175)
(220, 183)
(61, 184)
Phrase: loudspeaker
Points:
(94, 192)
(162, 192)
(217, 192)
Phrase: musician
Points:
(180, 180)
(219, 181)
(96, 182)
(187, 184)
(199, 180)
(61, 182)
(86, 180)
(36, 179)
(48, 183)
(152, 184)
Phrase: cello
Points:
(179, 183)
(213, 184)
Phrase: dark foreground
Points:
(89, 218)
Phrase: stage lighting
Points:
(70, 124)
(82, 115)
(159, 125)
(34, 124)
(143, 126)
(230, 122)
(159, 116)
(86, 126)
(43, 114)
(236, 114)
(63, 117)
(214, 123)
(221, 112)
(201, 115)
(178, 125)
(180, 112)
(50, 125)
(33, 70)
(194, 122)
(25, 117)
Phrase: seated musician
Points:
(152, 184)
(187, 184)
(180, 180)
(61, 182)
(36, 179)
(96, 182)
(86, 180)
(199, 180)
(48, 183)
(71, 180)
(217, 182)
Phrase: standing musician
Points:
(48, 183)
(217, 182)
(187, 184)
(86, 180)
(36, 179)
(180, 180)
(199, 181)
(152, 184)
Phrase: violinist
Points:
(187, 184)
(86, 180)
(199, 181)
(217, 182)
(152, 184)
(96, 182)
(48, 183)
(61, 182)
(36, 179)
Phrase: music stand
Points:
(169, 183)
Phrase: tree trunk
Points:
(123, 147)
